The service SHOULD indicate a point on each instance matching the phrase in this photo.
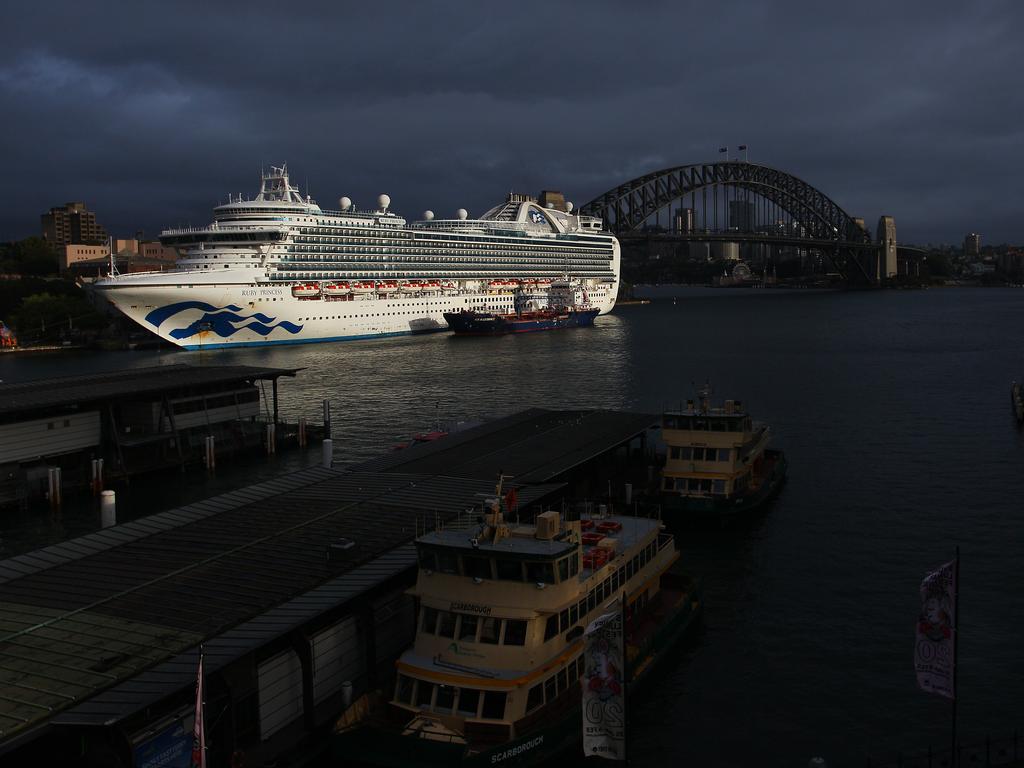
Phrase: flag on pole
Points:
(198, 731)
(936, 632)
(723, 149)
(511, 499)
(604, 686)
(742, 147)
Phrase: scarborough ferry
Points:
(280, 270)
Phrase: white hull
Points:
(239, 313)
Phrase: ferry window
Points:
(469, 701)
(591, 600)
(581, 665)
(615, 582)
(723, 454)
(718, 486)
(551, 688)
(643, 557)
(563, 569)
(582, 608)
(637, 565)
(574, 564)
(551, 628)
(430, 620)
(424, 693)
(446, 627)
(670, 423)
(494, 705)
(428, 560)
(674, 452)
(542, 573)
(622, 577)
(629, 569)
(476, 567)
(403, 690)
(563, 620)
(574, 614)
(445, 700)
(563, 679)
(515, 632)
(467, 628)
(535, 697)
(490, 631)
(447, 563)
(668, 481)
(574, 671)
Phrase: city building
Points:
(153, 251)
(72, 224)
(741, 215)
(685, 220)
(75, 253)
(972, 244)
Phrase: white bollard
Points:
(108, 509)
(328, 453)
(211, 453)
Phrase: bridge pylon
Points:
(887, 267)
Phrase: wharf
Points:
(295, 586)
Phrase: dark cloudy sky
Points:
(152, 112)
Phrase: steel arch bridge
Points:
(819, 222)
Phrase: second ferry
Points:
(278, 269)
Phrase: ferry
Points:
(279, 269)
(718, 462)
(495, 674)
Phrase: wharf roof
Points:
(154, 380)
(96, 628)
(533, 446)
(515, 545)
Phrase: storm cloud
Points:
(153, 112)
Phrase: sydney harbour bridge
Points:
(733, 204)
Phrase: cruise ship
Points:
(278, 269)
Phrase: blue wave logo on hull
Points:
(219, 320)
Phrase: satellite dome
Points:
(383, 202)
(345, 203)
(428, 215)
(462, 213)
(568, 206)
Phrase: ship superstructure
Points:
(279, 269)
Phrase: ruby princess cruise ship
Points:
(280, 270)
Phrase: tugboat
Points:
(561, 311)
(718, 462)
(494, 675)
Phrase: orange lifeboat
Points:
(306, 291)
(363, 287)
(387, 286)
(336, 290)
(412, 286)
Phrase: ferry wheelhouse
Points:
(494, 673)
(718, 460)
(280, 269)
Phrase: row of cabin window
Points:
(568, 617)
(694, 485)
(473, 629)
(556, 685)
(506, 569)
(447, 699)
(700, 454)
(704, 424)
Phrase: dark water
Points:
(893, 408)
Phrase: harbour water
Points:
(893, 410)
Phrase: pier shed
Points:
(134, 420)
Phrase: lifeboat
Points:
(412, 286)
(337, 289)
(496, 285)
(544, 282)
(448, 286)
(595, 558)
(586, 525)
(363, 287)
(609, 526)
(591, 538)
(432, 285)
(306, 291)
(387, 286)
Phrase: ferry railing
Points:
(1004, 750)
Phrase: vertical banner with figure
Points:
(604, 686)
(934, 648)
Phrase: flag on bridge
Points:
(604, 686)
(723, 149)
(935, 646)
(742, 147)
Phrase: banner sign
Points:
(604, 710)
(936, 632)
